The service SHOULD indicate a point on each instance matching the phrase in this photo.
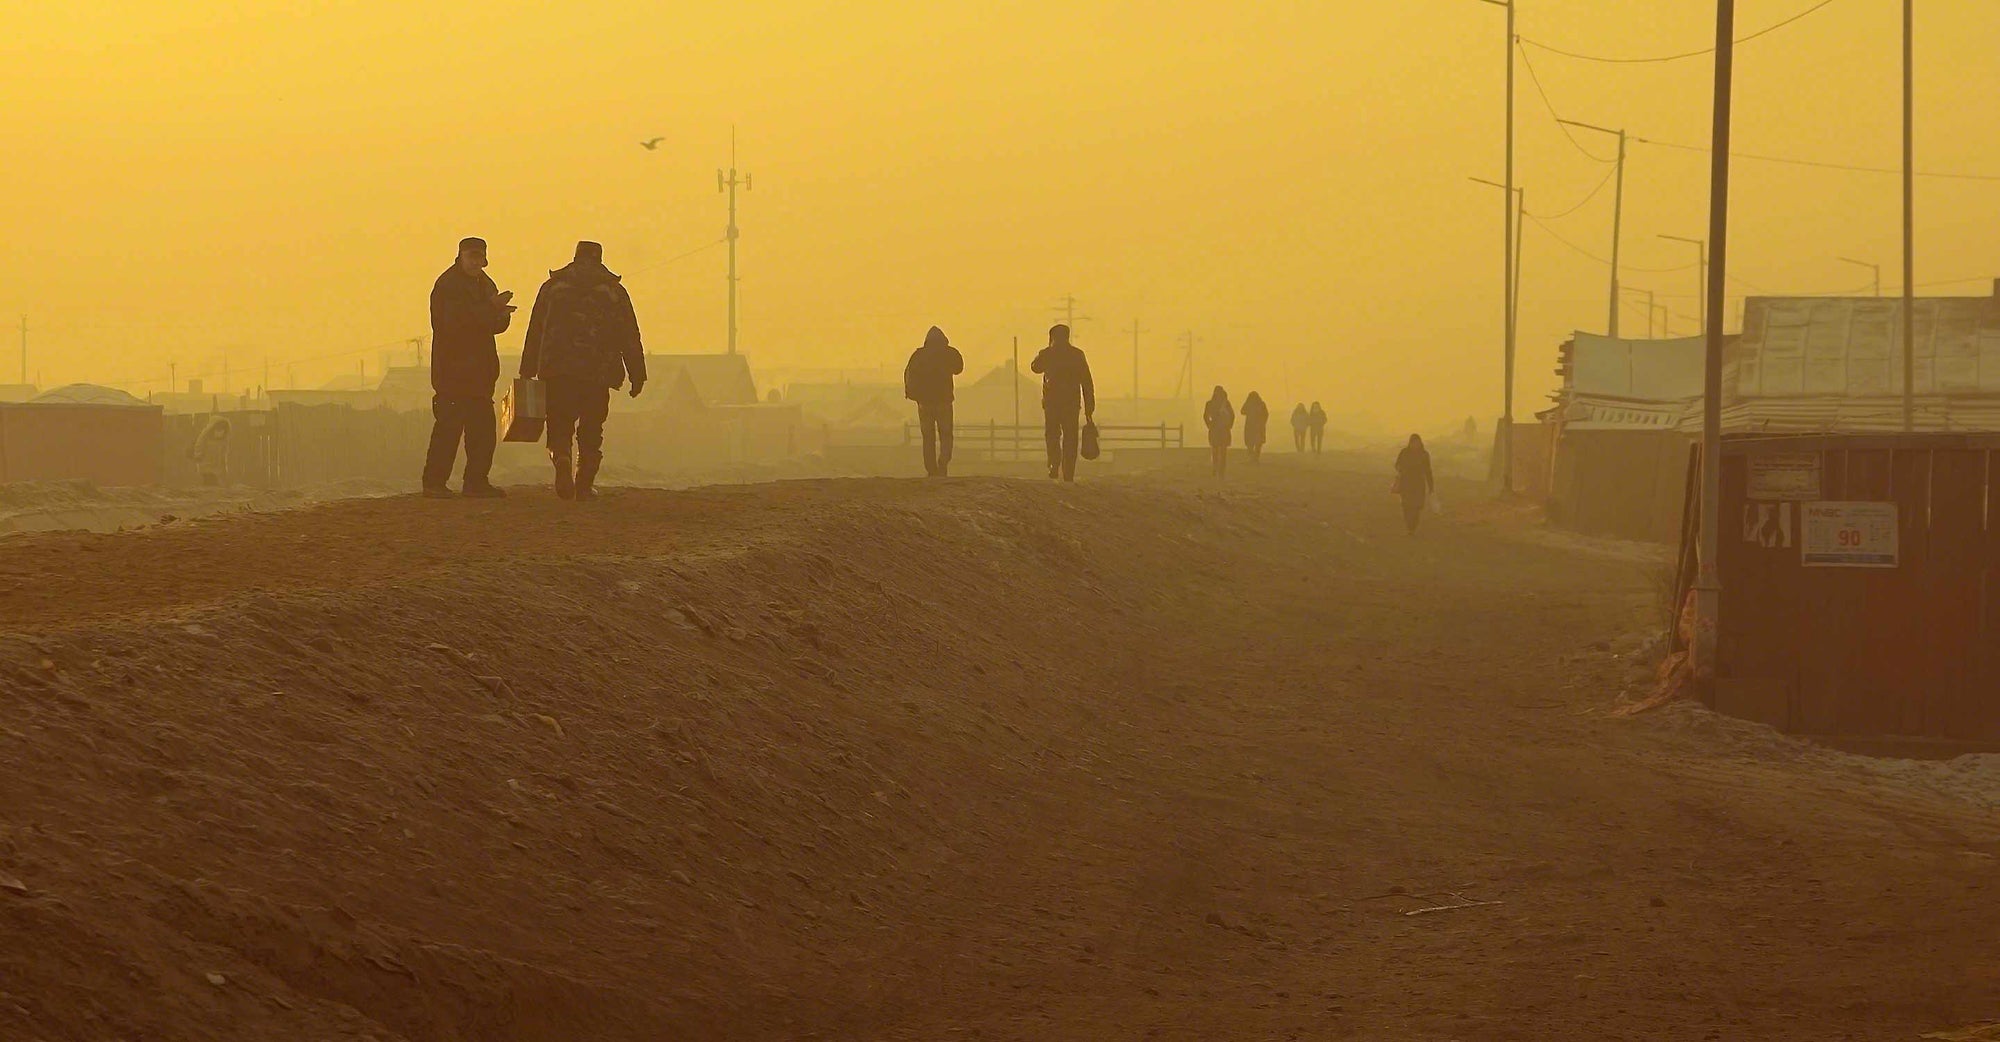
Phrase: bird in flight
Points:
(651, 145)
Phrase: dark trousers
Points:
(576, 413)
(456, 419)
(1061, 425)
(935, 421)
(1299, 438)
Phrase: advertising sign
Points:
(1849, 535)
(1784, 475)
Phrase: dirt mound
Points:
(901, 759)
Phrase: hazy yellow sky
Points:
(282, 179)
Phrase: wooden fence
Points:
(1861, 585)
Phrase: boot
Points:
(586, 474)
(565, 483)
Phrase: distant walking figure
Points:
(583, 341)
(1256, 421)
(1066, 389)
(1301, 420)
(1220, 418)
(467, 312)
(927, 382)
(1317, 419)
(1414, 481)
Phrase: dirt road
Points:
(907, 760)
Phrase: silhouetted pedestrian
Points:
(1317, 421)
(1220, 419)
(467, 312)
(1301, 422)
(1256, 422)
(583, 341)
(1414, 481)
(927, 382)
(1066, 389)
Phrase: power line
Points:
(1673, 57)
(1608, 174)
(705, 247)
(1550, 105)
(1557, 236)
(1819, 164)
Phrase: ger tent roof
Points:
(87, 394)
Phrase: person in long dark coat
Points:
(1220, 419)
(1301, 421)
(927, 382)
(1256, 424)
(1414, 481)
(1317, 418)
(467, 312)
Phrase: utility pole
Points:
(1909, 214)
(1708, 575)
(1067, 309)
(1617, 215)
(1876, 268)
(1186, 378)
(1135, 331)
(173, 377)
(1701, 266)
(1506, 447)
(1513, 298)
(729, 184)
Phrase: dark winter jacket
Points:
(1220, 419)
(1256, 419)
(1065, 378)
(1413, 472)
(927, 377)
(465, 364)
(583, 329)
(1300, 418)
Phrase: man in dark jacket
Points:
(467, 312)
(927, 382)
(1066, 387)
(583, 341)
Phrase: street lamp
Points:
(1876, 268)
(1617, 216)
(1702, 246)
(1513, 288)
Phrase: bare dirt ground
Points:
(925, 760)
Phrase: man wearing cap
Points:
(583, 342)
(467, 312)
(1066, 390)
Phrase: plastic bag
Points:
(1087, 447)
(1437, 505)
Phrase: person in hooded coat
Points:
(1414, 481)
(1220, 419)
(467, 312)
(1256, 422)
(582, 342)
(1317, 420)
(927, 382)
(1301, 420)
